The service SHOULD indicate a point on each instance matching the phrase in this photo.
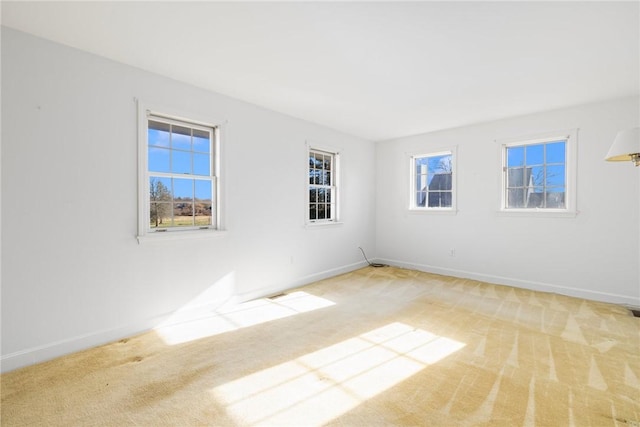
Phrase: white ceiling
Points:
(376, 70)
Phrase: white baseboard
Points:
(271, 290)
(31, 356)
(39, 354)
(518, 283)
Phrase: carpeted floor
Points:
(373, 347)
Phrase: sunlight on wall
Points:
(185, 326)
(320, 386)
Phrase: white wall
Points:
(593, 255)
(73, 274)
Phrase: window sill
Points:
(433, 211)
(537, 213)
(323, 224)
(180, 235)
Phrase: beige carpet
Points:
(374, 347)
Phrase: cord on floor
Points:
(372, 264)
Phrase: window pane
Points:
(447, 197)
(180, 151)
(440, 181)
(183, 189)
(434, 181)
(430, 176)
(555, 175)
(535, 176)
(158, 134)
(203, 191)
(515, 198)
(432, 164)
(160, 189)
(555, 198)
(316, 159)
(203, 214)
(182, 209)
(180, 162)
(180, 138)
(434, 200)
(201, 164)
(535, 190)
(515, 177)
(515, 156)
(327, 163)
(326, 178)
(556, 152)
(440, 164)
(535, 154)
(321, 185)
(422, 181)
(159, 159)
(183, 214)
(156, 125)
(439, 199)
(535, 197)
(321, 161)
(321, 211)
(159, 215)
(541, 182)
(201, 141)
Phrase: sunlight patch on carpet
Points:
(226, 319)
(320, 386)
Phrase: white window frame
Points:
(145, 232)
(413, 207)
(570, 136)
(335, 187)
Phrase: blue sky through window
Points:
(172, 150)
(180, 175)
(435, 165)
(535, 154)
(538, 168)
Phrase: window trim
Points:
(570, 136)
(336, 220)
(410, 158)
(143, 231)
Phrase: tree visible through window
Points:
(535, 175)
(322, 186)
(432, 180)
(180, 174)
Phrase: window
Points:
(538, 174)
(178, 187)
(323, 186)
(432, 181)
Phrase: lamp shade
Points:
(626, 144)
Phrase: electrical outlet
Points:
(452, 252)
